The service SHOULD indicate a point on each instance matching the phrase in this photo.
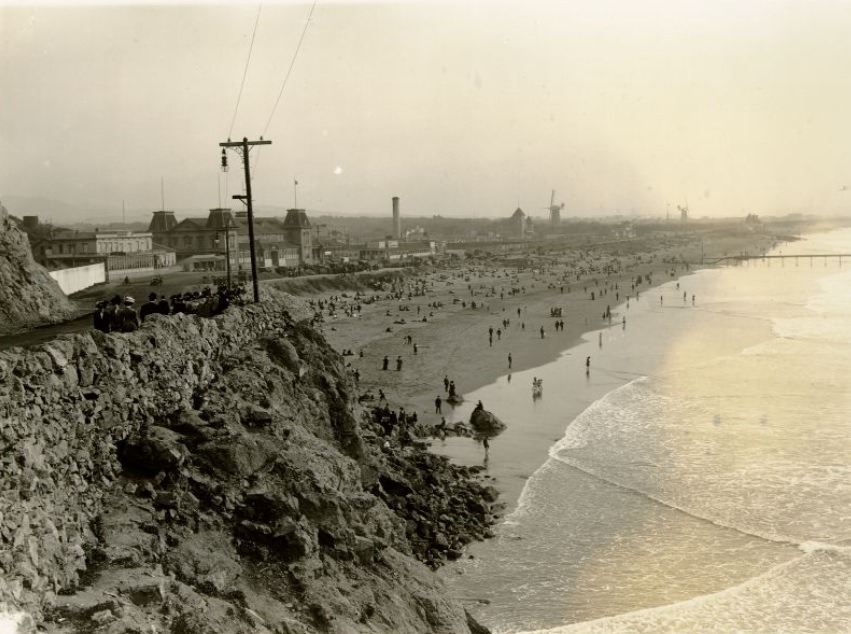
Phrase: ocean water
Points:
(697, 479)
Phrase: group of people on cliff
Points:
(120, 315)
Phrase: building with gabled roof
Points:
(278, 242)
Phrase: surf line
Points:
(718, 523)
(699, 600)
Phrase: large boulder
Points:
(157, 449)
(28, 295)
(484, 423)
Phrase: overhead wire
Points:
(284, 83)
(245, 70)
(290, 69)
(280, 92)
(241, 87)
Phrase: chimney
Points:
(397, 221)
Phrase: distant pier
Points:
(826, 258)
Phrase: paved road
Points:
(46, 333)
(176, 282)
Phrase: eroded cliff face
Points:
(215, 475)
(28, 295)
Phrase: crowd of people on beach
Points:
(402, 301)
(489, 287)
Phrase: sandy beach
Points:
(453, 340)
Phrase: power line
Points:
(245, 70)
(284, 84)
(290, 69)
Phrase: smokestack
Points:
(397, 221)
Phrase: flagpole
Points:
(295, 193)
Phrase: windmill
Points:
(683, 212)
(555, 210)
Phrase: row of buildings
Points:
(206, 244)
(195, 243)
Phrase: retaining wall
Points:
(80, 277)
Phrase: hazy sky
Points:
(460, 108)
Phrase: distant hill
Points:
(64, 214)
(46, 209)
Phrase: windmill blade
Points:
(552, 198)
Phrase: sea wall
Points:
(209, 475)
(79, 277)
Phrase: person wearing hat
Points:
(101, 317)
(127, 316)
(163, 306)
(149, 307)
(177, 304)
(113, 310)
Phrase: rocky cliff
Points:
(28, 295)
(217, 475)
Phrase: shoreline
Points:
(555, 495)
(454, 340)
(523, 449)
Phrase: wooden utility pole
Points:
(227, 250)
(242, 146)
